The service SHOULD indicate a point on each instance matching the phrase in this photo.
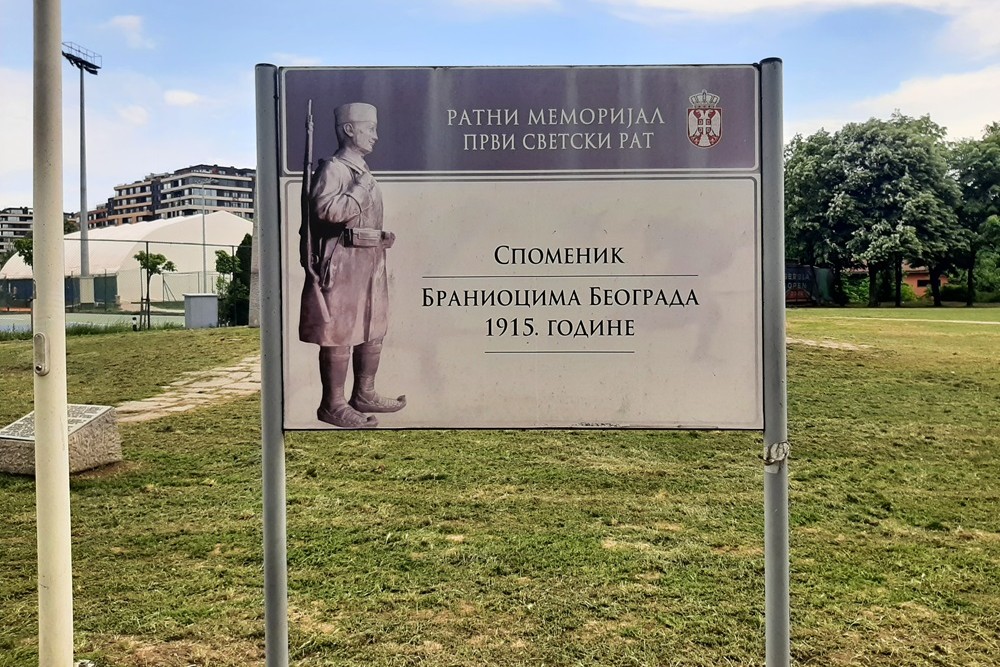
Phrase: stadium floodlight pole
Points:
(55, 572)
(204, 239)
(89, 62)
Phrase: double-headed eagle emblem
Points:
(704, 120)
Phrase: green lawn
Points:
(555, 548)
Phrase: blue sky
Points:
(177, 84)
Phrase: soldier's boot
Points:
(333, 408)
(364, 397)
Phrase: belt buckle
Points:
(365, 238)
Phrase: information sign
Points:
(521, 247)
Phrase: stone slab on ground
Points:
(93, 440)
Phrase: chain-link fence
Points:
(126, 272)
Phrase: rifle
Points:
(308, 255)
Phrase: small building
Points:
(919, 278)
(189, 242)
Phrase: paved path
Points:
(196, 389)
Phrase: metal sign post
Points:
(776, 577)
(272, 434)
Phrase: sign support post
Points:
(776, 575)
(272, 432)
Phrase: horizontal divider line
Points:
(559, 352)
(580, 275)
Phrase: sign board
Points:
(550, 247)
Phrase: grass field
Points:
(554, 548)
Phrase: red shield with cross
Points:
(704, 126)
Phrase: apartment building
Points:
(187, 191)
(96, 218)
(207, 188)
(134, 202)
(15, 223)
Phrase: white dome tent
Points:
(112, 253)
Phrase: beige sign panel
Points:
(584, 262)
(582, 303)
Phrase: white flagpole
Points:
(55, 576)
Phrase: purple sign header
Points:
(534, 119)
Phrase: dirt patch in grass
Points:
(828, 344)
(139, 652)
(109, 471)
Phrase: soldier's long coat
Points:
(352, 281)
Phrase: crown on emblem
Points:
(704, 100)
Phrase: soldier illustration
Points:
(343, 247)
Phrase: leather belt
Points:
(358, 237)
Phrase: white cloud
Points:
(506, 4)
(963, 103)
(972, 27)
(134, 114)
(129, 135)
(294, 60)
(131, 26)
(15, 137)
(15, 130)
(181, 98)
(975, 31)
(737, 7)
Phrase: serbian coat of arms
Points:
(704, 120)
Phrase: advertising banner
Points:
(520, 247)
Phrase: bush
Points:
(856, 289)
(954, 292)
(988, 297)
(233, 284)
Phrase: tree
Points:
(873, 194)
(233, 283)
(25, 248)
(819, 222)
(909, 197)
(976, 167)
(153, 264)
(931, 199)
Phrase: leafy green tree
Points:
(931, 200)
(901, 181)
(24, 247)
(153, 264)
(233, 283)
(819, 221)
(976, 166)
(872, 194)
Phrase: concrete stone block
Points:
(93, 440)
